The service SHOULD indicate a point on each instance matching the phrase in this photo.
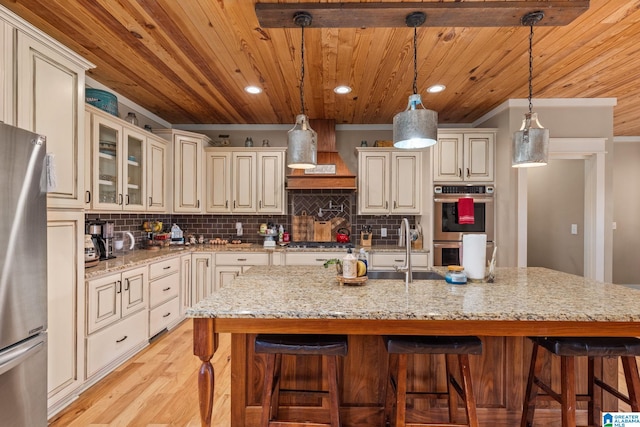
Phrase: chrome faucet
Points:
(404, 228)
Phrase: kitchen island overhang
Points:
(522, 302)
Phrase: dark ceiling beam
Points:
(392, 15)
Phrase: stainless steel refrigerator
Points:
(23, 278)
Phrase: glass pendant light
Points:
(531, 142)
(302, 141)
(415, 127)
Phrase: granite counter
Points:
(300, 300)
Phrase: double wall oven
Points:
(447, 233)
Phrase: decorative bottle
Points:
(349, 266)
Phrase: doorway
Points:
(555, 212)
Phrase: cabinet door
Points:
(50, 101)
(373, 183)
(133, 170)
(65, 290)
(107, 164)
(185, 283)
(103, 301)
(187, 190)
(201, 276)
(156, 184)
(218, 185)
(225, 274)
(134, 291)
(270, 183)
(243, 185)
(448, 158)
(478, 153)
(406, 182)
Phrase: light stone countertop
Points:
(532, 294)
(139, 257)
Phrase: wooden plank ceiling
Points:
(188, 61)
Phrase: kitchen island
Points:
(522, 302)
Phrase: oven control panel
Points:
(463, 189)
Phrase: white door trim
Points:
(592, 150)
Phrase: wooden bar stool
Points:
(568, 348)
(399, 347)
(274, 346)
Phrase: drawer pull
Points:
(122, 339)
(167, 315)
(398, 260)
(321, 259)
(166, 289)
(241, 259)
(166, 268)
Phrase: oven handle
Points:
(455, 199)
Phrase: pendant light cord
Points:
(302, 73)
(415, 60)
(530, 67)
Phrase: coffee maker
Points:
(102, 234)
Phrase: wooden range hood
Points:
(328, 157)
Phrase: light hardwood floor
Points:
(157, 387)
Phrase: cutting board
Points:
(322, 231)
(302, 228)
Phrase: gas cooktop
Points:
(320, 245)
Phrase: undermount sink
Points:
(391, 275)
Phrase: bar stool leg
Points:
(450, 361)
(334, 404)
(568, 391)
(467, 388)
(389, 398)
(267, 390)
(630, 367)
(401, 391)
(595, 399)
(535, 367)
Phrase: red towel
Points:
(465, 211)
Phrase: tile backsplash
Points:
(330, 203)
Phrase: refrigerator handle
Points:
(13, 358)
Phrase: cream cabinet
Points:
(164, 295)
(126, 166)
(117, 320)
(187, 174)
(464, 156)
(156, 181)
(389, 181)
(48, 95)
(201, 276)
(389, 260)
(65, 315)
(185, 283)
(245, 181)
(312, 258)
(230, 264)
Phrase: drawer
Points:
(311, 258)
(164, 315)
(109, 344)
(242, 258)
(163, 289)
(163, 268)
(387, 260)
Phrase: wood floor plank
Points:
(157, 387)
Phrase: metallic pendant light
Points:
(531, 142)
(415, 128)
(302, 141)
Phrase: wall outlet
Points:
(383, 232)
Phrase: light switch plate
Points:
(383, 232)
(574, 228)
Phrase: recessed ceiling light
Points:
(436, 88)
(342, 89)
(253, 89)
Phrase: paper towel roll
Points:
(474, 255)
